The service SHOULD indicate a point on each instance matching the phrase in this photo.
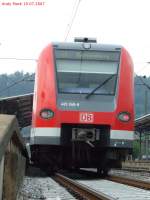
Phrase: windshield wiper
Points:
(99, 86)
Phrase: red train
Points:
(83, 109)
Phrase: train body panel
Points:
(83, 94)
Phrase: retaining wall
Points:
(12, 157)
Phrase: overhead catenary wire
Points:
(74, 14)
(19, 59)
(143, 68)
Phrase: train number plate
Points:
(86, 117)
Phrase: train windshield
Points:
(83, 71)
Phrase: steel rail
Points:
(80, 189)
(129, 181)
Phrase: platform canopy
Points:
(142, 124)
(21, 106)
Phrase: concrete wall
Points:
(144, 165)
(1, 177)
(12, 157)
(14, 170)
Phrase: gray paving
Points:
(42, 188)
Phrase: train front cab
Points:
(91, 98)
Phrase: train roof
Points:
(82, 45)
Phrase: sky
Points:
(26, 29)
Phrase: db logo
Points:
(86, 117)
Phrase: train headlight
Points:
(124, 116)
(46, 113)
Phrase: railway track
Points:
(136, 175)
(80, 186)
(129, 181)
(110, 188)
(81, 190)
(128, 178)
(116, 190)
(136, 169)
(141, 176)
(37, 185)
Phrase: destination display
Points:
(87, 55)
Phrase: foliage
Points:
(136, 149)
(16, 84)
